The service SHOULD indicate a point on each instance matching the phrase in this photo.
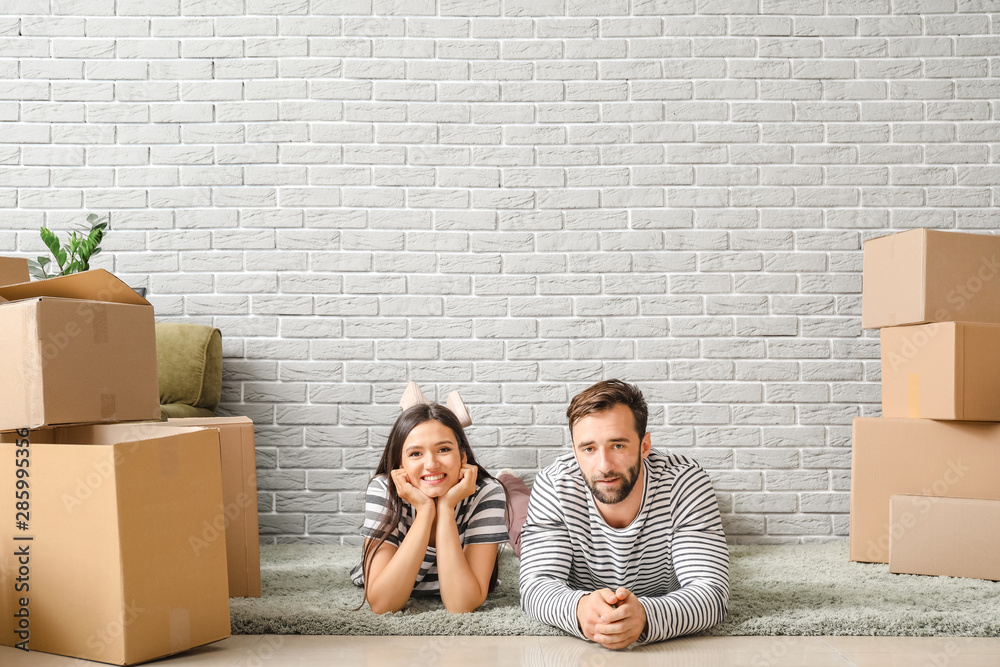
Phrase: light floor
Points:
(310, 651)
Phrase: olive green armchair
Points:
(189, 362)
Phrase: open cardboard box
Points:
(958, 459)
(953, 537)
(926, 275)
(943, 370)
(119, 566)
(76, 349)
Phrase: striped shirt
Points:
(673, 556)
(480, 520)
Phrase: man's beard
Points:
(615, 495)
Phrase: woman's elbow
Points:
(381, 607)
(463, 606)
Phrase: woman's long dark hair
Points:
(392, 459)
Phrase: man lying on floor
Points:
(621, 543)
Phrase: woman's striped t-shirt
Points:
(479, 518)
(673, 556)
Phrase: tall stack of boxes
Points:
(103, 513)
(925, 477)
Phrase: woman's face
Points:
(431, 458)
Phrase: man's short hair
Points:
(606, 395)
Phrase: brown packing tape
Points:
(170, 459)
(180, 629)
(109, 407)
(913, 396)
(100, 311)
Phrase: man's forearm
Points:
(691, 609)
(552, 602)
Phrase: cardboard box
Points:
(76, 349)
(915, 456)
(943, 370)
(239, 497)
(925, 275)
(952, 537)
(13, 270)
(116, 572)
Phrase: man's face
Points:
(609, 453)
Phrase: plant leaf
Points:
(35, 269)
(51, 241)
(74, 255)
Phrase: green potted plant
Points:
(74, 255)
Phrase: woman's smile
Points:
(432, 459)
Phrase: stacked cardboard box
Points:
(925, 478)
(102, 516)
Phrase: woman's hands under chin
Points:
(411, 494)
(466, 487)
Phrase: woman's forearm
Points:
(390, 587)
(461, 591)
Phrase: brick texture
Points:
(514, 199)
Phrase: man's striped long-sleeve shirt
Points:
(673, 556)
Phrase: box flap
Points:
(93, 285)
(13, 270)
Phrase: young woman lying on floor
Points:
(434, 518)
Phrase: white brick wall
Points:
(514, 198)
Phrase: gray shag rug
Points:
(801, 589)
